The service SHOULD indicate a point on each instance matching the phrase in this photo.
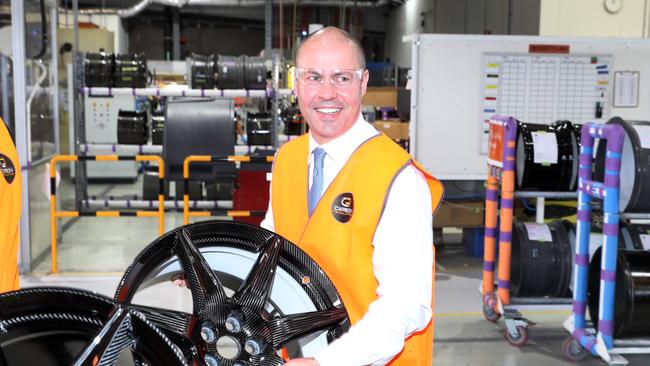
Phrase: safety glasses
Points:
(340, 78)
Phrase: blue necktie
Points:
(316, 189)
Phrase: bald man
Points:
(361, 207)
(10, 206)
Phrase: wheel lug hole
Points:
(208, 332)
(254, 345)
(234, 322)
(211, 360)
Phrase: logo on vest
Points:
(7, 169)
(342, 207)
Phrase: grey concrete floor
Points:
(94, 252)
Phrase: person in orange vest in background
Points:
(10, 206)
(361, 207)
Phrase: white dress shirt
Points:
(402, 260)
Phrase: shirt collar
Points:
(342, 147)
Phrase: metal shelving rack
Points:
(81, 146)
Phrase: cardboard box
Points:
(380, 97)
(460, 214)
(394, 129)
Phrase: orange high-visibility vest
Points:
(10, 206)
(340, 232)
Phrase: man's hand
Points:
(179, 280)
(302, 362)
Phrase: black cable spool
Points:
(258, 129)
(295, 124)
(230, 72)
(632, 294)
(157, 127)
(541, 266)
(635, 165)
(98, 69)
(632, 236)
(130, 71)
(255, 73)
(201, 70)
(533, 171)
(629, 238)
(132, 127)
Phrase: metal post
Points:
(415, 60)
(167, 39)
(75, 24)
(54, 83)
(276, 100)
(4, 79)
(80, 178)
(176, 34)
(20, 125)
(268, 26)
(539, 210)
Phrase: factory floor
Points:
(94, 252)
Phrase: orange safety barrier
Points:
(212, 159)
(54, 214)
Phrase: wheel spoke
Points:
(206, 288)
(255, 290)
(293, 326)
(177, 322)
(112, 338)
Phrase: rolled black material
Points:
(542, 265)
(635, 165)
(630, 236)
(535, 174)
(258, 129)
(132, 127)
(201, 71)
(157, 127)
(98, 69)
(255, 73)
(130, 71)
(632, 296)
(199, 126)
(230, 72)
(195, 191)
(219, 191)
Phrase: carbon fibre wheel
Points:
(254, 295)
(59, 326)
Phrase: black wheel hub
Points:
(245, 328)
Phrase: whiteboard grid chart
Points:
(545, 89)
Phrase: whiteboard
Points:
(448, 90)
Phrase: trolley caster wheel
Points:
(520, 339)
(490, 314)
(573, 351)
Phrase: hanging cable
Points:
(43, 32)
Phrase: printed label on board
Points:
(545, 147)
(549, 48)
(7, 169)
(495, 143)
(538, 232)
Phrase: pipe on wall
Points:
(141, 6)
